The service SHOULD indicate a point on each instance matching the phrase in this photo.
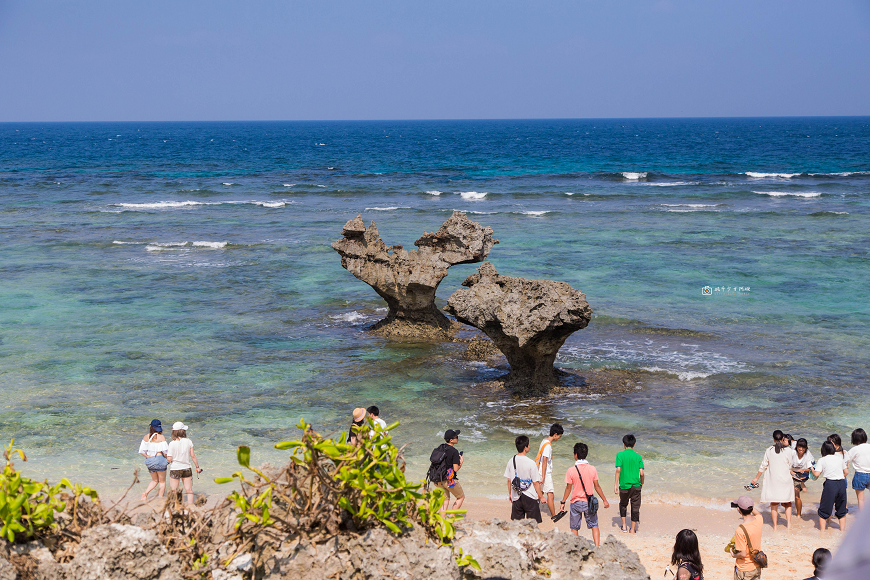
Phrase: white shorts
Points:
(548, 484)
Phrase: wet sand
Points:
(789, 553)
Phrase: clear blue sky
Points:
(404, 59)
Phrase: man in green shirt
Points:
(629, 479)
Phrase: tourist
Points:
(359, 418)
(834, 500)
(800, 470)
(374, 414)
(687, 557)
(524, 483)
(747, 538)
(444, 473)
(777, 487)
(544, 463)
(153, 447)
(859, 457)
(180, 455)
(580, 480)
(838, 444)
(821, 557)
(789, 440)
(629, 479)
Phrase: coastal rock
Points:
(528, 320)
(7, 570)
(408, 280)
(375, 555)
(119, 552)
(519, 550)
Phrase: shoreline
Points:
(789, 553)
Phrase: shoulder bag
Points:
(591, 500)
(757, 556)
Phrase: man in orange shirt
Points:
(745, 567)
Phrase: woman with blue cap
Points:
(154, 448)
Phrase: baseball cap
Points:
(179, 426)
(451, 434)
(158, 427)
(744, 502)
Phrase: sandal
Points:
(559, 516)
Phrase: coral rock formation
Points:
(408, 280)
(528, 320)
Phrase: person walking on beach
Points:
(747, 538)
(443, 473)
(859, 457)
(801, 472)
(544, 463)
(833, 468)
(153, 447)
(180, 455)
(359, 418)
(687, 557)
(629, 479)
(524, 483)
(580, 481)
(777, 487)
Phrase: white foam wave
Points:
(757, 175)
(533, 213)
(271, 204)
(792, 193)
(289, 184)
(353, 317)
(434, 192)
(128, 243)
(693, 205)
(685, 361)
(163, 246)
(672, 183)
(841, 173)
(391, 208)
(227, 183)
(186, 204)
(473, 194)
(634, 175)
(569, 193)
(213, 245)
(476, 212)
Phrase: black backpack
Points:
(438, 466)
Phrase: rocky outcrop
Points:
(528, 320)
(519, 550)
(408, 280)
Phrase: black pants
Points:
(633, 494)
(833, 498)
(526, 507)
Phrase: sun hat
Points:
(179, 426)
(744, 502)
(451, 434)
(359, 414)
(158, 427)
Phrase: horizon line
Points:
(435, 120)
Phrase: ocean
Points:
(183, 271)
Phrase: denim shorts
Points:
(580, 509)
(156, 463)
(860, 481)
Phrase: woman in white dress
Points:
(777, 487)
(153, 447)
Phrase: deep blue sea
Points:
(183, 271)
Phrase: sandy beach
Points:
(789, 553)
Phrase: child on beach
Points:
(777, 487)
(747, 537)
(687, 557)
(859, 457)
(629, 479)
(180, 455)
(833, 468)
(524, 483)
(544, 463)
(800, 470)
(580, 481)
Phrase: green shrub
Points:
(28, 507)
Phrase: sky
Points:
(124, 60)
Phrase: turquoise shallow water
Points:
(183, 271)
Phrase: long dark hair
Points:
(686, 550)
(859, 436)
(777, 441)
(828, 449)
(820, 559)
